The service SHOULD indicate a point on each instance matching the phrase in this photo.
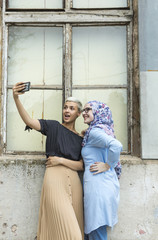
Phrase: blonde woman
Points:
(61, 207)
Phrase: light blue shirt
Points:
(101, 191)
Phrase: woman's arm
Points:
(102, 140)
(74, 165)
(33, 123)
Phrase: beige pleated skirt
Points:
(61, 206)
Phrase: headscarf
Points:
(102, 119)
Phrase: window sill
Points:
(132, 160)
(40, 159)
(30, 159)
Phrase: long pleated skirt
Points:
(61, 206)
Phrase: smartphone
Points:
(27, 87)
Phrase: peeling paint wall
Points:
(138, 209)
(0, 71)
(20, 188)
(0, 60)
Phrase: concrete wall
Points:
(148, 55)
(20, 187)
(138, 209)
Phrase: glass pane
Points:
(35, 55)
(99, 3)
(99, 55)
(148, 35)
(35, 4)
(116, 99)
(149, 114)
(39, 104)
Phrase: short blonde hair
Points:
(73, 99)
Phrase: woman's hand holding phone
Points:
(20, 88)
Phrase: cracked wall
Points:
(20, 188)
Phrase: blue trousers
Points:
(98, 234)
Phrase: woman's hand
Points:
(32, 123)
(99, 167)
(83, 132)
(53, 161)
(17, 88)
(74, 165)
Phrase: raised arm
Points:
(33, 123)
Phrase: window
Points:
(99, 68)
(99, 4)
(70, 48)
(35, 4)
(35, 55)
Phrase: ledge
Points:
(19, 159)
(132, 160)
(40, 159)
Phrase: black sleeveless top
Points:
(60, 140)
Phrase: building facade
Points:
(102, 50)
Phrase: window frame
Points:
(67, 18)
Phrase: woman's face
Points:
(87, 114)
(70, 112)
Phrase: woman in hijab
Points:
(100, 152)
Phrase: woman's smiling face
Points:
(70, 112)
(87, 114)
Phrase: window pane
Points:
(99, 55)
(35, 4)
(99, 3)
(35, 55)
(149, 114)
(39, 104)
(116, 99)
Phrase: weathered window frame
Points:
(88, 17)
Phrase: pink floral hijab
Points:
(102, 119)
